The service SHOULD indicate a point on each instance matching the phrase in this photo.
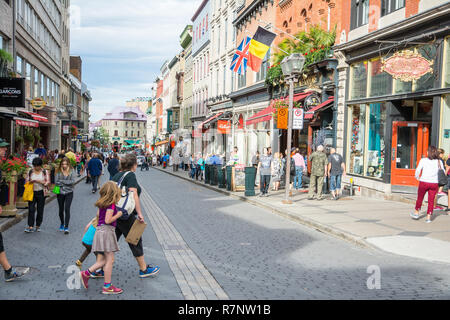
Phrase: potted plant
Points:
(12, 169)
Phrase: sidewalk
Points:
(6, 223)
(368, 222)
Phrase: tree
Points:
(103, 136)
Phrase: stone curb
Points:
(302, 220)
(23, 213)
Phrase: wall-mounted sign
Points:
(224, 126)
(298, 119)
(38, 103)
(65, 129)
(12, 92)
(282, 119)
(407, 66)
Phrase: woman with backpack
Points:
(40, 179)
(127, 178)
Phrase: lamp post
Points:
(70, 110)
(292, 67)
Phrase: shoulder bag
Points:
(442, 177)
(126, 203)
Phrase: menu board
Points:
(239, 178)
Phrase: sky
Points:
(123, 45)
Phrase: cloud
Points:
(124, 43)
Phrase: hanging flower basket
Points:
(74, 130)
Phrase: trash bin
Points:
(221, 177)
(250, 177)
(229, 173)
(214, 174)
(207, 174)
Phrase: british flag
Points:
(239, 62)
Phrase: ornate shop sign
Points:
(407, 66)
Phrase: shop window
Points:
(445, 129)
(376, 143)
(359, 80)
(381, 82)
(427, 81)
(446, 80)
(402, 86)
(357, 139)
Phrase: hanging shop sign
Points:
(282, 118)
(38, 103)
(407, 66)
(66, 129)
(12, 92)
(298, 119)
(311, 101)
(224, 126)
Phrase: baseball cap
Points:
(3, 143)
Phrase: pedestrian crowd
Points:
(111, 222)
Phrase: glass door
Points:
(410, 141)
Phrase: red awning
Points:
(310, 113)
(266, 114)
(36, 116)
(26, 123)
(262, 116)
(201, 125)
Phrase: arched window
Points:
(285, 24)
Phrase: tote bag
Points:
(28, 194)
(442, 177)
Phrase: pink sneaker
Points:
(438, 208)
(112, 290)
(84, 275)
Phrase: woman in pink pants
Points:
(427, 174)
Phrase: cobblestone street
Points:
(210, 246)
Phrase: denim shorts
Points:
(335, 182)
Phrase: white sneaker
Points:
(414, 216)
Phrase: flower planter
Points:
(10, 209)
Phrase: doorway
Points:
(410, 142)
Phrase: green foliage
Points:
(315, 46)
(6, 56)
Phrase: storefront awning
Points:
(262, 116)
(162, 143)
(201, 125)
(310, 113)
(26, 122)
(36, 116)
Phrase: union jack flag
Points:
(239, 62)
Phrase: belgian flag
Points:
(259, 45)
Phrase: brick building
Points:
(388, 112)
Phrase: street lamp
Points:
(292, 67)
(70, 108)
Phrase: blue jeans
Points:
(335, 182)
(298, 177)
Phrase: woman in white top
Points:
(427, 174)
(40, 180)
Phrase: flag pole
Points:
(271, 26)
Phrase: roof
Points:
(119, 114)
